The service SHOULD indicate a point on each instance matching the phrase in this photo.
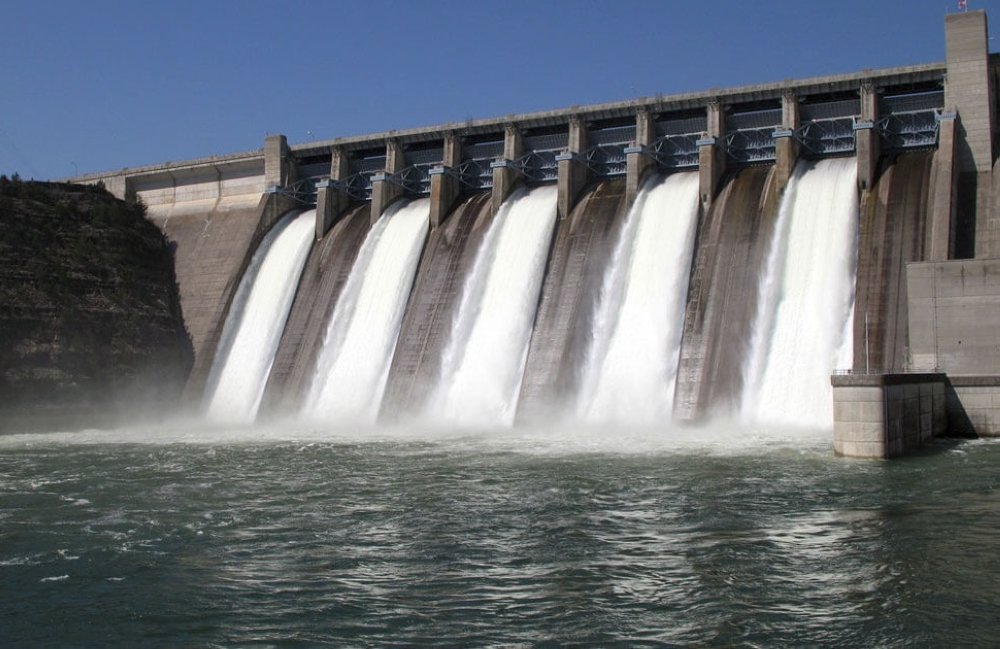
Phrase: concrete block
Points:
(857, 393)
(860, 449)
(860, 431)
(975, 398)
(926, 427)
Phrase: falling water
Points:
(631, 365)
(256, 320)
(483, 363)
(357, 350)
(804, 319)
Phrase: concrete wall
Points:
(733, 242)
(954, 313)
(202, 189)
(974, 405)
(968, 92)
(884, 416)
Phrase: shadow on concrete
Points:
(959, 424)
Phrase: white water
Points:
(256, 320)
(357, 351)
(803, 328)
(630, 369)
(483, 364)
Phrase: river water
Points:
(183, 536)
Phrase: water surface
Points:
(399, 538)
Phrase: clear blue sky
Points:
(96, 86)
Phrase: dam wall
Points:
(921, 137)
(580, 254)
(888, 415)
(433, 305)
(893, 232)
(322, 282)
(724, 292)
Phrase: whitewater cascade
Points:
(353, 364)
(256, 320)
(630, 367)
(804, 322)
(483, 363)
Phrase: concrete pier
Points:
(279, 168)
(572, 170)
(505, 176)
(637, 159)
(384, 190)
(969, 91)
(941, 229)
(887, 415)
(785, 144)
(711, 156)
(444, 186)
(331, 201)
(866, 138)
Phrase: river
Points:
(716, 536)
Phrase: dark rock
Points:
(90, 322)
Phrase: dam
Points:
(712, 254)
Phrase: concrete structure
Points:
(867, 141)
(279, 168)
(444, 186)
(572, 169)
(941, 231)
(786, 146)
(637, 159)
(711, 159)
(331, 199)
(974, 405)
(885, 416)
(385, 189)
(216, 209)
(278, 164)
(970, 93)
(505, 175)
(954, 315)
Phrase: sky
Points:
(97, 86)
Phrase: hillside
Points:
(90, 323)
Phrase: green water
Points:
(522, 539)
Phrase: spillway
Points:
(802, 330)
(446, 262)
(353, 364)
(631, 364)
(892, 232)
(733, 240)
(483, 363)
(323, 280)
(256, 320)
(581, 252)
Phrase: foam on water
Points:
(719, 438)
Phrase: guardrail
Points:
(884, 372)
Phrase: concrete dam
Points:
(710, 254)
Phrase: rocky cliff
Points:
(90, 322)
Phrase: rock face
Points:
(90, 323)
